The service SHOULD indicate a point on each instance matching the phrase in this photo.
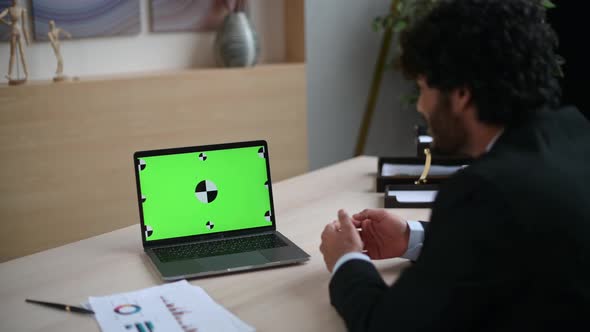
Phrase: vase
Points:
(236, 42)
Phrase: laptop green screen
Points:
(206, 192)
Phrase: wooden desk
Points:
(291, 298)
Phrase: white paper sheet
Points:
(413, 196)
(425, 139)
(416, 170)
(133, 312)
(172, 307)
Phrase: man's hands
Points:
(384, 236)
(339, 238)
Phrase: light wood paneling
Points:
(66, 170)
(295, 30)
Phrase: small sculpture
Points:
(18, 26)
(53, 34)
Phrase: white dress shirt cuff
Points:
(416, 240)
(347, 257)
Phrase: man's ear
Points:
(461, 99)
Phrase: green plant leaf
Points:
(400, 25)
(406, 8)
(400, 6)
(548, 4)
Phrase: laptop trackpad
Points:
(233, 261)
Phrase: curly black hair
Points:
(502, 50)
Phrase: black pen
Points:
(65, 307)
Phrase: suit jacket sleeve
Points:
(466, 266)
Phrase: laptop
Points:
(208, 210)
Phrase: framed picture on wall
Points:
(188, 15)
(87, 18)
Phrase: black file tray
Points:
(391, 202)
(382, 181)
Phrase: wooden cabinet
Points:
(66, 170)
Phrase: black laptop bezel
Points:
(202, 148)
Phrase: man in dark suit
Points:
(508, 244)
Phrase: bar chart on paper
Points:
(171, 307)
(141, 327)
(179, 314)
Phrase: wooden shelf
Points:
(155, 74)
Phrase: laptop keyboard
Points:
(217, 248)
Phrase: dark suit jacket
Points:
(507, 247)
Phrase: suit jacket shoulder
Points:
(541, 167)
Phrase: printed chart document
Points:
(174, 307)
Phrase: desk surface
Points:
(293, 298)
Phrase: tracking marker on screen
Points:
(206, 191)
(148, 230)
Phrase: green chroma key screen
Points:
(204, 192)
